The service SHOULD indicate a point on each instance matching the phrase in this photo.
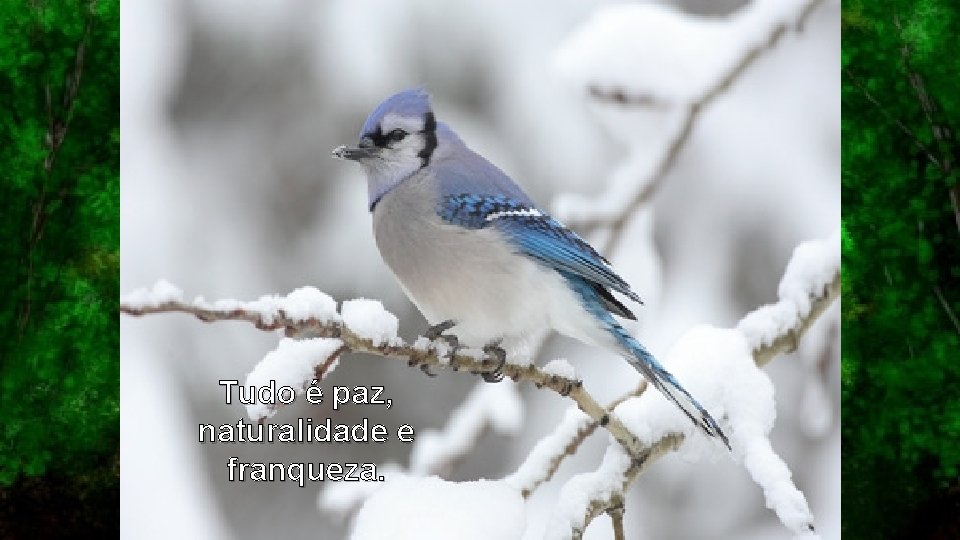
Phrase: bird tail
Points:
(644, 362)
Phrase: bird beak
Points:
(354, 154)
(364, 151)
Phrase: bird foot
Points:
(437, 330)
(497, 351)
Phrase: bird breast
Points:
(470, 276)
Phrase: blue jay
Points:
(471, 249)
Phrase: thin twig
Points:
(941, 131)
(654, 180)
(639, 464)
(946, 307)
(57, 126)
(616, 517)
(570, 447)
(927, 104)
(430, 357)
(582, 434)
(762, 355)
(886, 114)
(788, 342)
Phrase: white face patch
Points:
(393, 121)
(526, 212)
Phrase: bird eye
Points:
(397, 135)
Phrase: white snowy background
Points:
(229, 111)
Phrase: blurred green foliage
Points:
(901, 266)
(60, 243)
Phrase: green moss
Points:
(901, 375)
(59, 361)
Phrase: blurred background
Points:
(229, 111)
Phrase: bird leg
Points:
(437, 332)
(497, 351)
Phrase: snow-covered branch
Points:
(617, 33)
(810, 284)
(720, 366)
(360, 326)
(548, 454)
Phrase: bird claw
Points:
(426, 370)
(496, 375)
(437, 330)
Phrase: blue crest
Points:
(414, 103)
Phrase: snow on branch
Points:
(696, 61)
(495, 407)
(409, 507)
(809, 285)
(545, 458)
(721, 366)
(360, 326)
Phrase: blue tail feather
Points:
(643, 361)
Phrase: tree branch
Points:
(762, 355)
(638, 464)
(616, 517)
(57, 126)
(654, 180)
(946, 307)
(942, 134)
(886, 114)
(414, 355)
(545, 459)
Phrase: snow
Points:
(343, 498)
(649, 49)
(716, 209)
(666, 60)
(309, 303)
(538, 461)
(812, 266)
(300, 305)
(369, 320)
(561, 368)
(575, 497)
(432, 508)
(496, 405)
(292, 363)
(770, 472)
(422, 344)
(717, 366)
(162, 292)
(656, 51)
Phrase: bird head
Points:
(398, 138)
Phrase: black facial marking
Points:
(429, 138)
(379, 139)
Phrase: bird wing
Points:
(537, 235)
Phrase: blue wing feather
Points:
(539, 236)
(535, 234)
